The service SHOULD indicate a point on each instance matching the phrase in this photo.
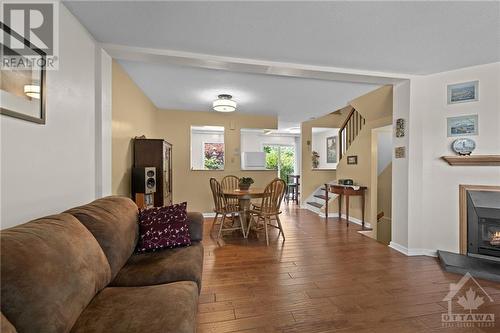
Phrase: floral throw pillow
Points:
(163, 227)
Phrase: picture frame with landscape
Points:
(462, 125)
(331, 149)
(463, 92)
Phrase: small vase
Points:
(244, 187)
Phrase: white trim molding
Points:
(334, 215)
(211, 215)
(247, 65)
(412, 252)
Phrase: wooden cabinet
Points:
(156, 153)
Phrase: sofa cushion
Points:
(165, 308)
(163, 227)
(170, 265)
(113, 222)
(51, 269)
(195, 222)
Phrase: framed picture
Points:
(463, 92)
(400, 128)
(400, 152)
(331, 149)
(352, 159)
(22, 86)
(462, 125)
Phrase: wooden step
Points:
(320, 196)
(315, 204)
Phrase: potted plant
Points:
(315, 159)
(245, 182)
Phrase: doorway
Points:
(382, 181)
(281, 158)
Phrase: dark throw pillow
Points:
(163, 227)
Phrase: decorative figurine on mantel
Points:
(463, 146)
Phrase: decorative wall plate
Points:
(463, 146)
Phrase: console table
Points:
(347, 191)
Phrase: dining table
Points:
(245, 201)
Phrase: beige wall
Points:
(376, 107)
(384, 204)
(365, 171)
(133, 115)
(192, 185)
(384, 191)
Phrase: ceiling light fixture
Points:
(224, 103)
(32, 91)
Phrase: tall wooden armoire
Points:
(156, 153)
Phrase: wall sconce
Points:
(32, 91)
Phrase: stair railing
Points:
(350, 130)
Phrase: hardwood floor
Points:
(324, 278)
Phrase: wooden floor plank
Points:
(324, 278)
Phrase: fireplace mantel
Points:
(474, 160)
(463, 210)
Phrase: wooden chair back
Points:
(219, 199)
(230, 183)
(273, 195)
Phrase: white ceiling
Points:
(194, 89)
(388, 37)
(403, 37)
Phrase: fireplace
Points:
(483, 223)
(479, 234)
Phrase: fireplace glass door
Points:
(483, 223)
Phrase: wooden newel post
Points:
(326, 202)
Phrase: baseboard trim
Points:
(208, 214)
(351, 219)
(412, 252)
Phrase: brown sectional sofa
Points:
(76, 272)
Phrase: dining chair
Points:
(293, 188)
(223, 209)
(269, 208)
(231, 183)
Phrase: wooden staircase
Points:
(349, 131)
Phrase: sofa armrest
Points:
(195, 223)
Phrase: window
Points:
(281, 158)
(207, 148)
(264, 149)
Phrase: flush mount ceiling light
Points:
(224, 103)
(32, 91)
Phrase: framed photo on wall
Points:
(462, 125)
(463, 92)
(352, 159)
(22, 81)
(331, 149)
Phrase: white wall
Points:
(433, 218)
(46, 169)
(319, 145)
(400, 169)
(384, 148)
